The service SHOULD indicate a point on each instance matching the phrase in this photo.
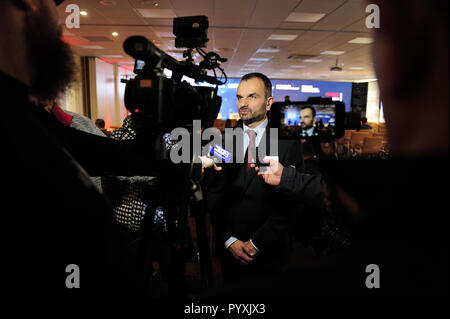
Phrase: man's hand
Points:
(241, 251)
(250, 249)
(272, 174)
(208, 163)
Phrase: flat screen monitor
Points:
(314, 119)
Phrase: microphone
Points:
(218, 152)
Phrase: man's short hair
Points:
(100, 123)
(263, 78)
(311, 108)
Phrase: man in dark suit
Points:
(398, 214)
(251, 220)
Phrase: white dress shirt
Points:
(259, 130)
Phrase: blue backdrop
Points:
(298, 90)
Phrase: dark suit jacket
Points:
(52, 214)
(243, 206)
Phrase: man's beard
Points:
(50, 57)
(251, 117)
(306, 127)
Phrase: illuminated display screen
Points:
(301, 117)
(298, 90)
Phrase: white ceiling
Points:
(237, 29)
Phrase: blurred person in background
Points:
(100, 123)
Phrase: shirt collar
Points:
(259, 129)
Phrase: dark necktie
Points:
(251, 149)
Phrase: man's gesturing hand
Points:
(240, 250)
(208, 163)
(272, 175)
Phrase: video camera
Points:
(170, 102)
(161, 103)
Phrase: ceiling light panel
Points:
(332, 52)
(304, 17)
(283, 37)
(361, 40)
(259, 59)
(157, 13)
(269, 50)
(93, 47)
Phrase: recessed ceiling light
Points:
(332, 52)
(95, 47)
(361, 40)
(312, 61)
(269, 50)
(304, 17)
(297, 66)
(157, 13)
(356, 68)
(115, 34)
(283, 37)
(259, 59)
(83, 12)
